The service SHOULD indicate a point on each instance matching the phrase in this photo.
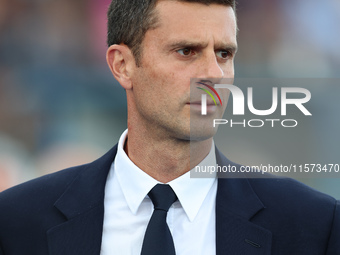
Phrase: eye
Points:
(185, 52)
(224, 54)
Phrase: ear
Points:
(121, 63)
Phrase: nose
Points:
(211, 69)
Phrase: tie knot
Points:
(162, 197)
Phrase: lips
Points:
(209, 102)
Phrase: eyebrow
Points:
(227, 46)
(189, 44)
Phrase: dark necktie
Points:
(158, 239)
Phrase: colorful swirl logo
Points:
(209, 93)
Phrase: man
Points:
(110, 207)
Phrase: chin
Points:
(194, 134)
(201, 128)
(202, 134)
(197, 129)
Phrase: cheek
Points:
(149, 89)
(163, 83)
(229, 70)
(225, 99)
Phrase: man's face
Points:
(192, 40)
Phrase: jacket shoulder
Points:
(289, 192)
(37, 192)
(41, 193)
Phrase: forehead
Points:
(196, 20)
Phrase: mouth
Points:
(209, 103)
(196, 107)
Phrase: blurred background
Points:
(60, 106)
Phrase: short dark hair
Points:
(128, 21)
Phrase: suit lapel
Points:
(236, 204)
(82, 204)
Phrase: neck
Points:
(164, 159)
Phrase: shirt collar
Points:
(136, 184)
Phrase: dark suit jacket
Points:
(62, 214)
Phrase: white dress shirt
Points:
(128, 209)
